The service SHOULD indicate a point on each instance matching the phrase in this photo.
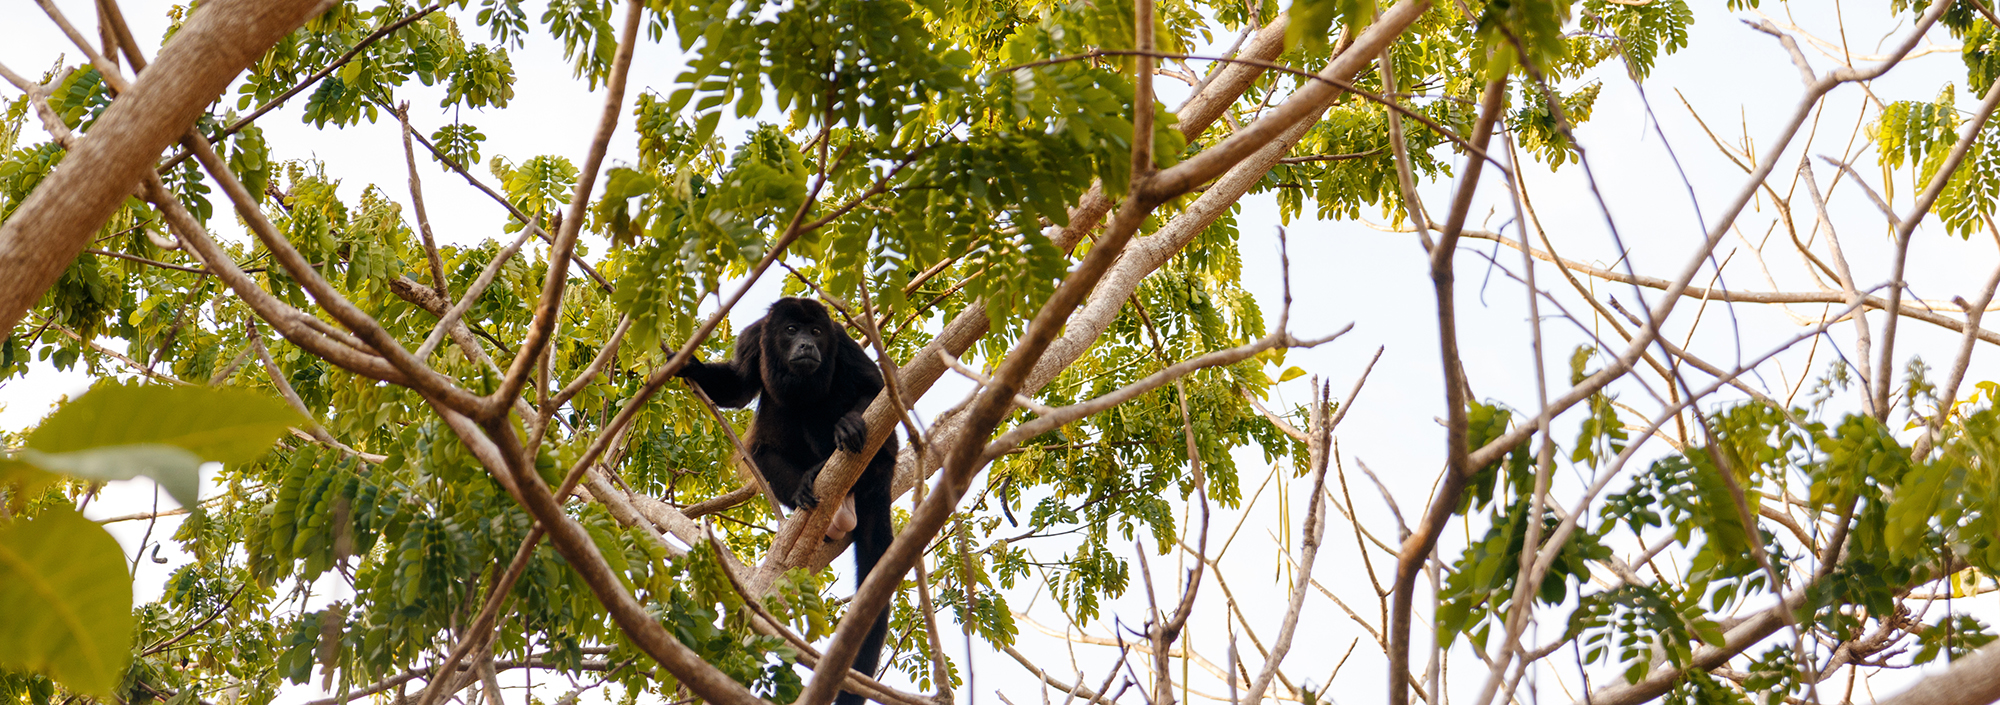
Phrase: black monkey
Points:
(813, 383)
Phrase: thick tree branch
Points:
(924, 368)
(987, 410)
(1304, 103)
(1972, 680)
(56, 222)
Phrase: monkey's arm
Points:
(864, 378)
(736, 382)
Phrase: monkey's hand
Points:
(850, 432)
(803, 497)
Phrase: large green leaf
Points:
(222, 425)
(174, 468)
(67, 601)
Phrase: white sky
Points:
(1740, 81)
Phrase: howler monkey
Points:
(812, 383)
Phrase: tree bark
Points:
(1973, 680)
(58, 219)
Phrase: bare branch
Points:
(744, 465)
(1057, 418)
(1022, 400)
(427, 672)
(1315, 531)
(450, 318)
(721, 502)
(597, 365)
(38, 96)
(526, 222)
(417, 202)
(1458, 468)
(1908, 227)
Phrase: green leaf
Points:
(1968, 198)
(621, 183)
(705, 126)
(174, 468)
(222, 425)
(1981, 54)
(1708, 631)
(1312, 20)
(68, 601)
(1291, 373)
(1908, 131)
(1508, 27)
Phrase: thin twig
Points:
(305, 83)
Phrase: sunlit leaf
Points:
(68, 601)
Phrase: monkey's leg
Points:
(789, 480)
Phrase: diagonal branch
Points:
(1321, 449)
(526, 222)
(1908, 227)
(420, 377)
(549, 308)
(417, 202)
(1303, 104)
(1059, 417)
(964, 457)
(1458, 471)
(497, 447)
(55, 222)
(449, 319)
(303, 330)
(797, 543)
(1656, 316)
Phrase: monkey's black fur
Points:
(813, 383)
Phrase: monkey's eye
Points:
(815, 332)
(791, 329)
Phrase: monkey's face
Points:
(804, 345)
